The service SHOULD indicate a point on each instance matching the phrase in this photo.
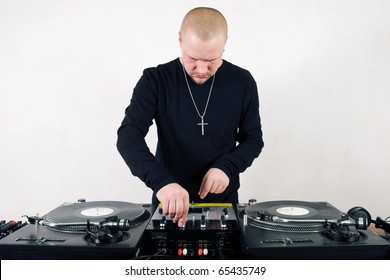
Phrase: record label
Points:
(292, 211)
(97, 211)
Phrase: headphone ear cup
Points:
(360, 212)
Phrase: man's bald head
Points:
(205, 23)
(202, 39)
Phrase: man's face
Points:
(201, 59)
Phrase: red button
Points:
(200, 251)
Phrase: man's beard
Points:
(202, 79)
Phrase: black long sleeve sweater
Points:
(232, 137)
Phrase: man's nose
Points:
(202, 66)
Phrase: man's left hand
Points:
(215, 181)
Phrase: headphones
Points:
(360, 212)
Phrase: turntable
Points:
(83, 230)
(306, 230)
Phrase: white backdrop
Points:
(67, 70)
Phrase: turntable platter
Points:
(74, 217)
(291, 209)
(290, 215)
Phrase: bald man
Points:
(206, 110)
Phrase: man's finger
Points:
(172, 208)
(183, 220)
(205, 189)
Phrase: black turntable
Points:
(306, 230)
(83, 230)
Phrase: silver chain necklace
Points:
(201, 116)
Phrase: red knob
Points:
(200, 251)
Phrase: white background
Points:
(67, 70)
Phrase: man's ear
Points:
(179, 36)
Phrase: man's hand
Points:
(215, 181)
(175, 202)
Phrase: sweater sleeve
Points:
(249, 134)
(131, 142)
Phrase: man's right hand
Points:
(175, 202)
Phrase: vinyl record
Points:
(294, 210)
(290, 215)
(74, 217)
